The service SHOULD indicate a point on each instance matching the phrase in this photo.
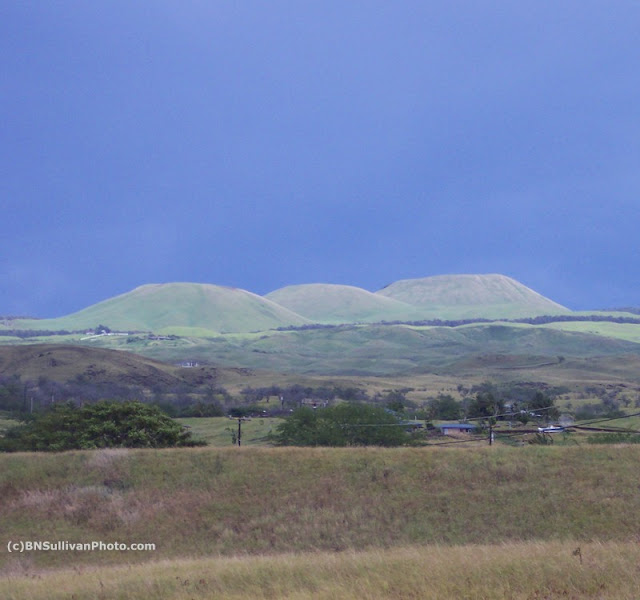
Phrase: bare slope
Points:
(331, 303)
(61, 362)
(466, 296)
(156, 307)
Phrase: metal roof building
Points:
(447, 428)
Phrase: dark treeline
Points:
(20, 396)
(514, 400)
(541, 320)
(31, 333)
(18, 317)
(23, 396)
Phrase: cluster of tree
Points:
(293, 395)
(11, 394)
(346, 424)
(396, 401)
(193, 407)
(101, 425)
(187, 400)
(307, 327)
(28, 396)
(181, 400)
(597, 410)
(490, 401)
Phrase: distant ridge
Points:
(464, 296)
(333, 303)
(203, 309)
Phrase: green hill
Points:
(469, 296)
(331, 303)
(203, 310)
(158, 307)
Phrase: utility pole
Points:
(240, 419)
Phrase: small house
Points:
(449, 428)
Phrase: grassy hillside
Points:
(467, 296)
(205, 309)
(329, 303)
(620, 331)
(62, 363)
(390, 349)
(156, 307)
(377, 357)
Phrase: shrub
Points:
(101, 425)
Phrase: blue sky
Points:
(262, 144)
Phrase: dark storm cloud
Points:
(259, 145)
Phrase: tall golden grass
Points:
(515, 571)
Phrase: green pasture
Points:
(223, 431)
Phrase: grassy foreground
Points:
(490, 522)
(516, 571)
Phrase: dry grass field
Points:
(514, 571)
(490, 522)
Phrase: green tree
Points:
(347, 424)
(544, 404)
(102, 425)
(485, 404)
(444, 407)
(12, 394)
